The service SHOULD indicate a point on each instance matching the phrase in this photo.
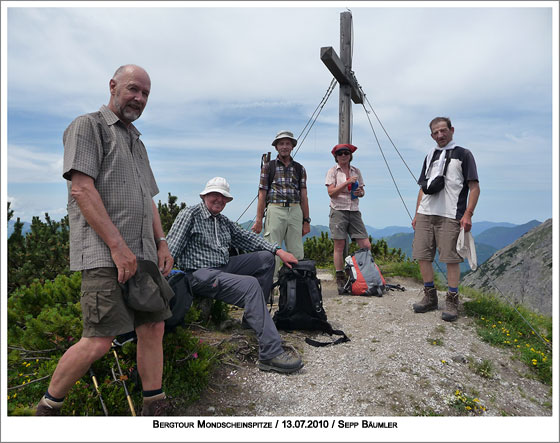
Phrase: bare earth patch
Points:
(397, 363)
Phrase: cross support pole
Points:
(341, 69)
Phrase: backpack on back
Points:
(364, 275)
(300, 306)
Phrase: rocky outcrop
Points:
(522, 271)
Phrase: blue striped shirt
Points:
(199, 239)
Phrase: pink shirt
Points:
(343, 201)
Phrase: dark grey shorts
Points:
(104, 311)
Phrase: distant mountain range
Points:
(24, 230)
(489, 236)
(498, 237)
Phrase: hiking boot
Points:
(285, 363)
(450, 312)
(341, 282)
(159, 406)
(47, 407)
(428, 303)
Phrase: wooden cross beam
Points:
(341, 69)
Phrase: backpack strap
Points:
(271, 173)
(299, 171)
(314, 288)
(397, 287)
(291, 294)
(447, 160)
(329, 330)
(290, 280)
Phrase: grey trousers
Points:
(242, 282)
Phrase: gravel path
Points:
(397, 363)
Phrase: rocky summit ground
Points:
(397, 363)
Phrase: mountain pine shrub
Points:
(44, 320)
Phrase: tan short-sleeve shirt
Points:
(343, 200)
(101, 146)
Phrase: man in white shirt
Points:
(447, 198)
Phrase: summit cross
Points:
(341, 69)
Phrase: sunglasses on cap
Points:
(343, 152)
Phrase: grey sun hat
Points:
(285, 134)
(217, 184)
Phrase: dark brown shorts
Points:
(104, 311)
(434, 231)
(344, 223)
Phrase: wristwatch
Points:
(307, 220)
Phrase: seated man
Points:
(200, 239)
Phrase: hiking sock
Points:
(53, 399)
(429, 284)
(148, 394)
(453, 290)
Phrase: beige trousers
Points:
(284, 225)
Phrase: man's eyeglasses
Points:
(343, 152)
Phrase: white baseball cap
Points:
(217, 184)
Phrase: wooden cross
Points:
(341, 69)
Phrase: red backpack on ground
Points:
(364, 276)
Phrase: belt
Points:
(284, 204)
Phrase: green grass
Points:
(499, 324)
(401, 269)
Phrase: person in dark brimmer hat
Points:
(283, 193)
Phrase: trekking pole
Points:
(94, 378)
(123, 383)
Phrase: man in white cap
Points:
(200, 239)
(283, 192)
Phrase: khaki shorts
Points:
(344, 223)
(104, 311)
(434, 231)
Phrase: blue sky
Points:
(226, 77)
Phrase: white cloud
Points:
(225, 80)
(33, 165)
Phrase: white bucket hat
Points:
(285, 134)
(217, 184)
